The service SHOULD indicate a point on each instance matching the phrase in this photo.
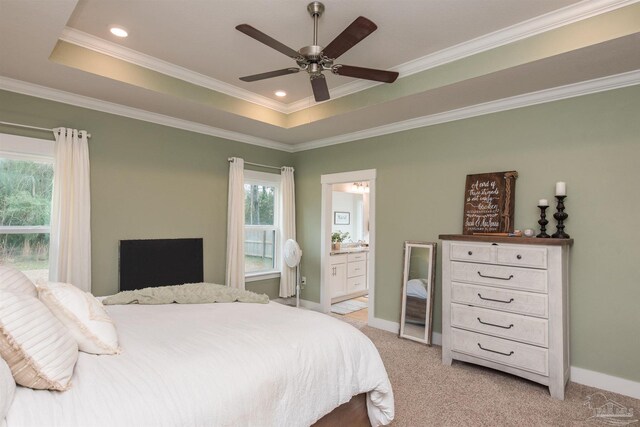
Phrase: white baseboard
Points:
(310, 305)
(578, 375)
(385, 325)
(605, 382)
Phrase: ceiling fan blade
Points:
(320, 88)
(269, 74)
(351, 36)
(365, 73)
(269, 41)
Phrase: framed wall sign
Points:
(342, 218)
(489, 202)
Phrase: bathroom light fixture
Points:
(281, 93)
(360, 187)
(118, 31)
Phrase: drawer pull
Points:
(497, 326)
(494, 351)
(470, 253)
(495, 277)
(495, 300)
(519, 256)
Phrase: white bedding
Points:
(417, 288)
(216, 365)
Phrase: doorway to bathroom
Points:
(348, 244)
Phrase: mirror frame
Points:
(408, 244)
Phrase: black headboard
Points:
(159, 262)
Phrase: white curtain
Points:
(70, 240)
(287, 229)
(235, 225)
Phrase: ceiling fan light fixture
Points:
(314, 59)
(280, 93)
(118, 31)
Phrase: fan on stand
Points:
(292, 255)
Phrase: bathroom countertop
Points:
(349, 251)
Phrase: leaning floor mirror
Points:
(417, 291)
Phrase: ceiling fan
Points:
(315, 59)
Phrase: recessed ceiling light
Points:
(118, 31)
(281, 93)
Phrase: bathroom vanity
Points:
(348, 274)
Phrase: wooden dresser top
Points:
(503, 239)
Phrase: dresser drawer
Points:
(356, 284)
(530, 330)
(337, 259)
(509, 353)
(528, 303)
(356, 268)
(522, 256)
(501, 276)
(360, 256)
(473, 253)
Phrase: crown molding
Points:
(617, 81)
(522, 30)
(134, 113)
(96, 44)
(549, 21)
(534, 98)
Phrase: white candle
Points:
(561, 188)
(543, 202)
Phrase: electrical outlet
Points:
(303, 281)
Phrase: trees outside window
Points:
(25, 210)
(261, 245)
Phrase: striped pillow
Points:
(83, 315)
(38, 348)
(15, 281)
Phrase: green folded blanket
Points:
(191, 293)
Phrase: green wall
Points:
(147, 181)
(591, 142)
(151, 181)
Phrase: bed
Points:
(231, 364)
(416, 307)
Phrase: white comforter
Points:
(216, 365)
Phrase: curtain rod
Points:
(230, 159)
(32, 127)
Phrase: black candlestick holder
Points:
(560, 216)
(543, 222)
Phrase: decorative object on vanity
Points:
(543, 204)
(560, 215)
(418, 275)
(505, 306)
(529, 232)
(342, 218)
(337, 238)
(489, 202)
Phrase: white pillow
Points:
(84, 316)
(7, 389)
(38, 348)
(15, 281)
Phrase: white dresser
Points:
(505, 305)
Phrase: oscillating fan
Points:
(292, 255)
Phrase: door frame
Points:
(327, 182)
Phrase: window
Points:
(26, 185)
(262, 224)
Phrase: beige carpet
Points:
(428, 393)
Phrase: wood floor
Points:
(361, 315)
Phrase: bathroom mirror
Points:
(417, 291)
